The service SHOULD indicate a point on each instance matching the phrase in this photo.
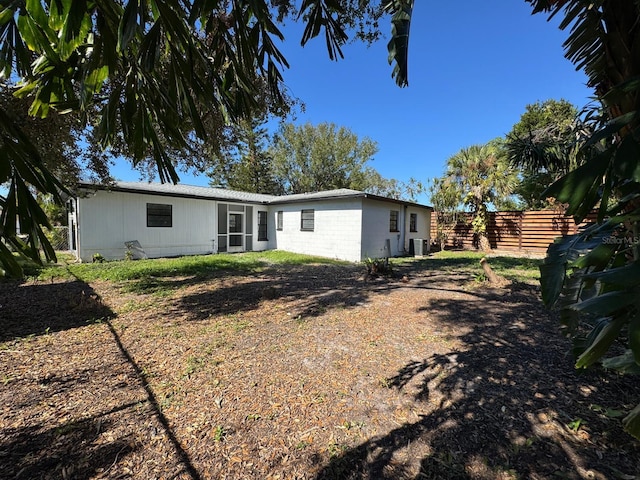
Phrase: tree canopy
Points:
(544, 145)
(301, 159)
(310, 158)
(246, 164)
(477, 178)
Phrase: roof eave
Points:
(116, 188)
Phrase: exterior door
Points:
(236, 232)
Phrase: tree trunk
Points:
(484, 243)
(488, 271)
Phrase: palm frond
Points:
(398, 46)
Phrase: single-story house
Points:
(172, 220)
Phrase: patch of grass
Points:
(302, 444)
(197, 265)
(518, 269)
(336, 449)
(219, 433)
(194, 364)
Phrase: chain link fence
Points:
(59, 238)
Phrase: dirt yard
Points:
(300, 373)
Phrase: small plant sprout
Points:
(219, 433)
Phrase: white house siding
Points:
(108, 219)
(336, 234)
(423, 226)
(375, 229)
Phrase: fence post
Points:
(522, 214)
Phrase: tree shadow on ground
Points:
(39, 308)
(313, 289)
(72, 414)
(67, 451)
(507, 405)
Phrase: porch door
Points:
(236, 232)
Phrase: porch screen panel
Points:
(249, 221)
(222, 243)
(248, 243)
(222, 227)
(222, 218)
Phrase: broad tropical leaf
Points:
(398, 46)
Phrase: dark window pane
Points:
(307, 220)
(262, 226)
(159, 215)
(235, 240)
(279, 220)
(393, 221)
(235, 223)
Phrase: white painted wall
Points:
(108, 219)
(105, 220)
(423, 226)
(336, 234)
(375, 229)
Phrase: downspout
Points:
(78, 230)
(403, 232)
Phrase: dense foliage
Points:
(476, 178)
(310, 158)
(544, 145)
(593, 277)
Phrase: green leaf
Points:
(6, 14)
(612, 127)
(599, 257)
(634, 337)
(624, 363)
(601, 344)
(9, 263)
(625, 276)
(632, 422)
(625, 163)
(560, 254)
(76, 27)
(398, 46)
(579, 188)
(150, 48)
(128, 24)
(607, 303)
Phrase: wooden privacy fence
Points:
(525, 232)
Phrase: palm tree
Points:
(483, 178)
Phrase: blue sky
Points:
(473, 67)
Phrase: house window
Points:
(413, 222)
(262, 226)
(307, 220)
(393, 221)
(279, 220)
(159, 215)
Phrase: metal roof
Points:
(191, 191)
(339, 193)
